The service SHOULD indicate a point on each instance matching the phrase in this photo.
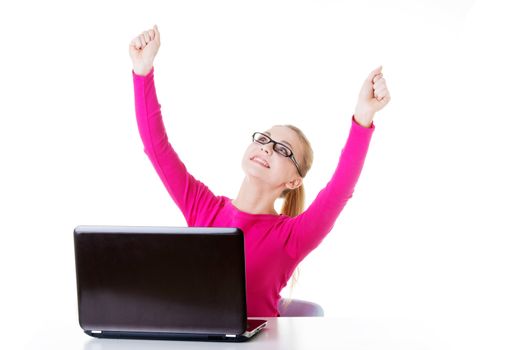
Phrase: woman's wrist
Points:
(364, 120)
(143, 71)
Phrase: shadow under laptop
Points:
(132, 344)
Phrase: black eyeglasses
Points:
(280, 148)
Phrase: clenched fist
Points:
(143, 50)
(374, 95)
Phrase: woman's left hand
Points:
(374, 95)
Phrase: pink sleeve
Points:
(190, 195)
(308, 229)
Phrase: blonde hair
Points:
(294, 200)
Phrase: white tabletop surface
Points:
(281, 333)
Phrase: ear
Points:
(295, 183)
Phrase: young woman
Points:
(275, 164)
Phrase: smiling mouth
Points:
(260, 161)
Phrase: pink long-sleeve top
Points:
(274, 244)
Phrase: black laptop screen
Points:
(190, 281)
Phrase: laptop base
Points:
(255, 327)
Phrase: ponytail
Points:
(294, 201)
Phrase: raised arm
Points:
(307, 230)
(190, 195)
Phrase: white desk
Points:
(281, 333)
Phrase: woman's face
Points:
(263, 162)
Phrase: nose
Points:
(268, 148)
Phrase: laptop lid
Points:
(161, 280)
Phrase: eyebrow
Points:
(283, 141)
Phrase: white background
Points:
(434, 231)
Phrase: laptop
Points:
(162, 282)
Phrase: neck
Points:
(256, 197)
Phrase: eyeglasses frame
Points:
(275, 143)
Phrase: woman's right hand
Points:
(143, 50)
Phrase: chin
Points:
(254, 172)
